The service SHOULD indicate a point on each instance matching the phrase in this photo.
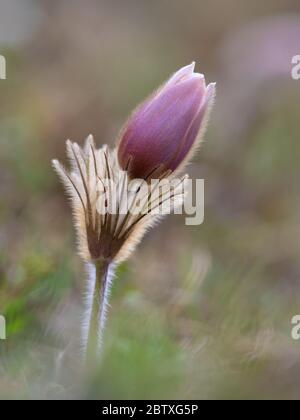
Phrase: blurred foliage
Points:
(199, 311)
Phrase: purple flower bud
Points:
(162, 132)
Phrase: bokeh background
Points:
(198, 311)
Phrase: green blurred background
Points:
(198, 311)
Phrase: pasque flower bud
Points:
(164, 130)
(158, 139)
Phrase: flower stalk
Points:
(97, 311)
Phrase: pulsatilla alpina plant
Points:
(116, 194)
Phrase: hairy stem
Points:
(96, 320)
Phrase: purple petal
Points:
(163, 130)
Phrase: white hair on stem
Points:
(89, 298)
